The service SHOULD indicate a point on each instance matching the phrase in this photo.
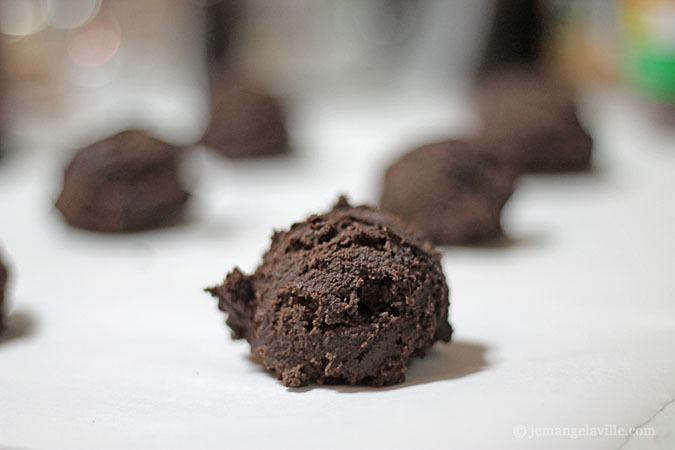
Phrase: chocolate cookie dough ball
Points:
(530, 122)
(3, 107)
(128, 182)
(452, 192)
(344, 297)
(245, 123)
(3, 285)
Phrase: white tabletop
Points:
(568, 328)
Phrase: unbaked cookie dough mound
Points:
(452, 192)
(128, 182)
(3, 283)
(530, 122)
(246, 122)
(344, 297)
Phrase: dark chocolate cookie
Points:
(127, 182)
(3, 285)
(452, 192)
(344, 297)
(530, 122)
(245, 122)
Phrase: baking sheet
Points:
(569, 324)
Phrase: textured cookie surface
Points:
(452, 192)
(531, 123)
(127, 182)
(245, 122)
(344, 297)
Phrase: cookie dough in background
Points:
(245, 122)
(530, 122)
(127, 182)
(346, 297)
(3, 87)
(3, 286)
(452, 192)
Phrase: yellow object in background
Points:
(580, 45)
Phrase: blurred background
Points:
(75, 70)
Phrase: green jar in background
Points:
(649, 47)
